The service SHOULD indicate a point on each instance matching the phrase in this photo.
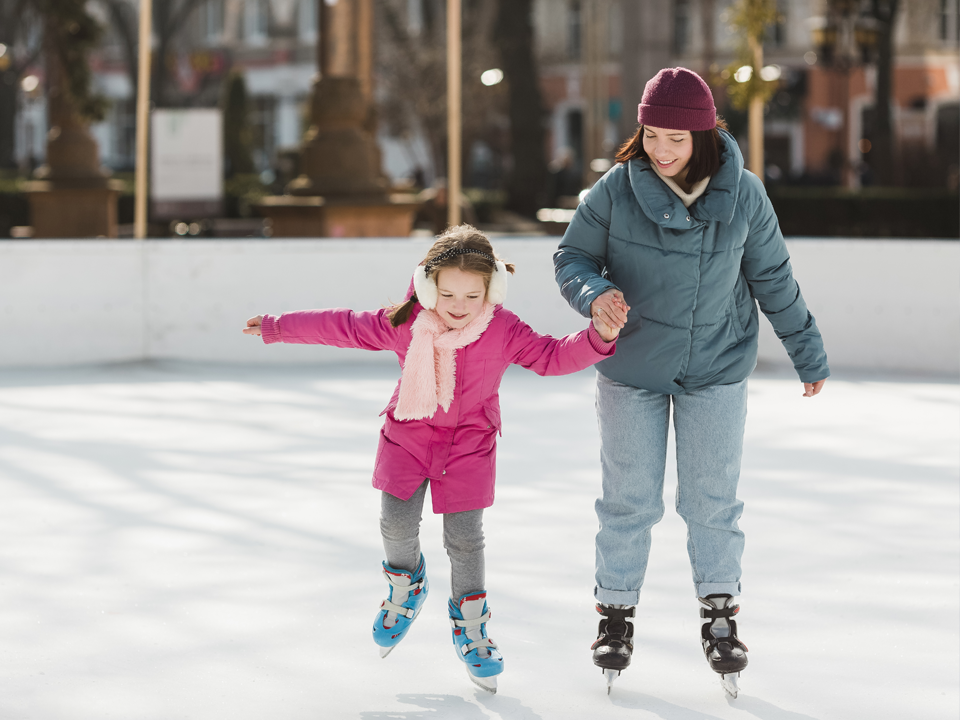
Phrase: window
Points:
(777, 35)
(307, 21)
(255, 22)
(574, 26)
(263, 122)
(949, 22)
(681, 26)
(414, 17)
(211, 21)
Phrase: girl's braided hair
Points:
(463, 247)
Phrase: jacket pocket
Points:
(493, 418)
(733, 312)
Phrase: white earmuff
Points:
(425, 288)
(497, 292)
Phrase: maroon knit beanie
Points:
(677, 99)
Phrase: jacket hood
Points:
(718, 202)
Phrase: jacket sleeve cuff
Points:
(270, 329)
(600, 345)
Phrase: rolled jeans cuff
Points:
(616, 597)
(728, 588)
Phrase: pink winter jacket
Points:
(455, 449)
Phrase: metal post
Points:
(755, 117)
(453, 112)
(143, 120)
(364, 42)
(324, 37)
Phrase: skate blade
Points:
(730, 684)
(610, 675)
(485, 683)
(384, 651)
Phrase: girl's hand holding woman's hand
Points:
(253, 325)
(610, 308)
(609, 334)
(811, 389)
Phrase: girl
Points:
(677, 244)
(454, 340)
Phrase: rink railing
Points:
(881, 304)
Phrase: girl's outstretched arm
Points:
(338, 327)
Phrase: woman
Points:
(677, 245)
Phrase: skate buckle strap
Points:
(471, 622)
(612, 612)
(412, 587)
(409, 613)
(716, 613)
(484, 642)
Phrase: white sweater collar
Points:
(686, 198)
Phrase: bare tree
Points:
(124, 20)
(169, 19)
(527, 179)
(411, 69)
(21, 49)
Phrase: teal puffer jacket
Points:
(690, 276)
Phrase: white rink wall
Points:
(881, 304)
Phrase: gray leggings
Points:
(462, 538)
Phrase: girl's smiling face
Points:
(461, 296)
(670, 150)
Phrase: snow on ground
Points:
(201, 541)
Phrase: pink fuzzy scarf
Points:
(429, 370)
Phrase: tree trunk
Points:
(8, 111)
(13, 31)
(885, 11)
(527, 179)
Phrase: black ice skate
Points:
(718, 632)
(614, 645)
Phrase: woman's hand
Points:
(253, 325)
(811, 389)
(609, 334)
(610, 308)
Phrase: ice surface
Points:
(201, 542)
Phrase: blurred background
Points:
(860, 115)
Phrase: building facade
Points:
(594, 57)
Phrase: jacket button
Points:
(444, 472)
(666, 216)
(688, 218)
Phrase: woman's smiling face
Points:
(670, 150)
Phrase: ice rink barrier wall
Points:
(881, 304)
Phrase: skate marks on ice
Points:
(454, 707)
(667, 710)
(764, 710)
(507, 707)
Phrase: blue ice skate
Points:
(469, 616)
(397, 613)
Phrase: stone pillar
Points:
(71, 196)
(341, 191)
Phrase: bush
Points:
(14, 210)
(870, 212)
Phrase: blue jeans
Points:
(633, 451)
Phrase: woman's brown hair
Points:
(453, 238)
(704, 161)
